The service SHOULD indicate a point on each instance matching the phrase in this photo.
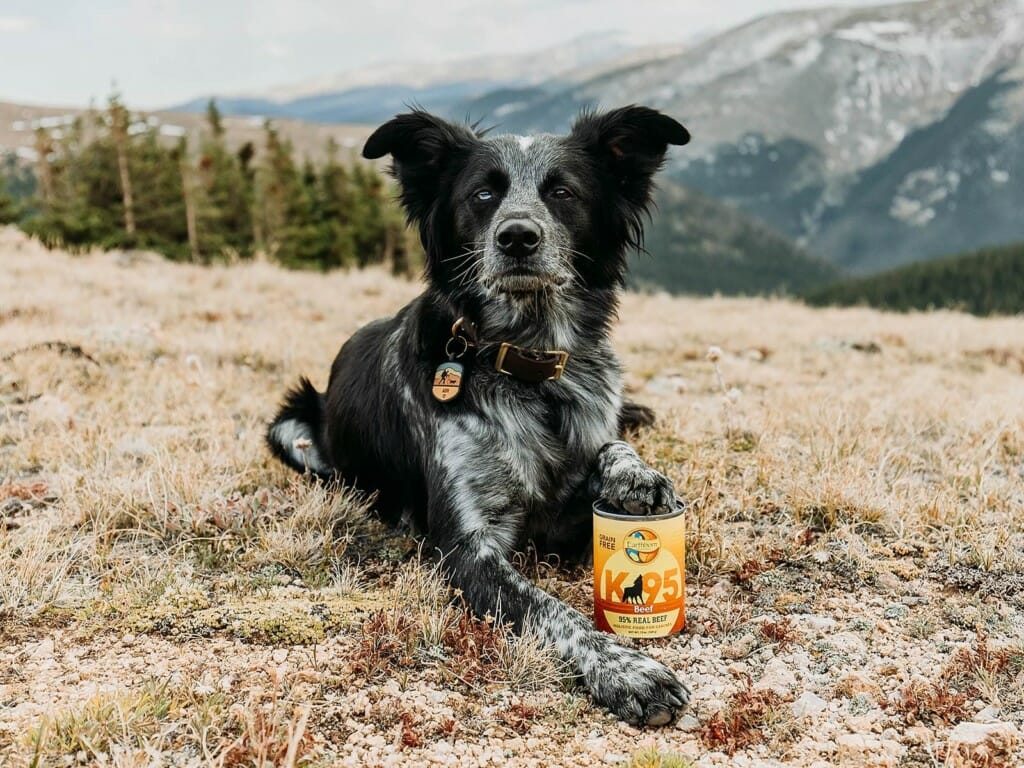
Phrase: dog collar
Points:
(530, 365)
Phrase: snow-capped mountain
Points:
(373, 94)
(825, 124)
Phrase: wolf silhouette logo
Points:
(635, 593)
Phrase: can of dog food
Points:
(639, 572)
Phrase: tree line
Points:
(986, 282)
(110, 180)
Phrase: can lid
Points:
(604, 508)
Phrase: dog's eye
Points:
(483, 195)
(561, 193)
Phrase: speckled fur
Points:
(508, 461)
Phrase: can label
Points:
(639, 573)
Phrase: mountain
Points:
(986, 282)
(872, 135)
(700, 245)
(376, 93)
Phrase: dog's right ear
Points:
(421, 146)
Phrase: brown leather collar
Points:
(532, 365)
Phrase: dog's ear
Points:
(629, 144)
(630, 141)
(421, 146)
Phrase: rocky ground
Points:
(169, 596)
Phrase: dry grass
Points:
(856, 482)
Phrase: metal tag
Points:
(447, 381)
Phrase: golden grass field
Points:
(169, 595)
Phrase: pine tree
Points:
(225, 217)
(9, 208)
(120, 120)
(336, 211)
(286, 205)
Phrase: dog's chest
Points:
(543, 442)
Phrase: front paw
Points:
(636, 688)
(631, 485)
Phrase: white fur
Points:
(292, 435)
(524, 142)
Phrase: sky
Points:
(164, 52)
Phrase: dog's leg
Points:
(623, 478)
(634, 686)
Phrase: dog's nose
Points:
(518, 237)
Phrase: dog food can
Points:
(639, 572)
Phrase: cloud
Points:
(16, 23)
(276, 50)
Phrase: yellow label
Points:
(639, 575)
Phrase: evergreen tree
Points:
(336, 211)
(9, 208)
(119, 120)
(224, 212)
(286, 205)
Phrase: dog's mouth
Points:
(519, 281)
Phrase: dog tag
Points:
(447, 381)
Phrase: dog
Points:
(635, 593)
(526, 241)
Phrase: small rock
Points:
(989, 714)
(688, 723)
(280, 655)
(738, 669)
(896, 611)
(808, 704)
(981, 743)
(742, 648)
(128, 639)
(919, 735)
(816, 623)
(777, 677)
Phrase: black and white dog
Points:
(500, 429)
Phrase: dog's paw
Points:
(631, 485)
(636, 688)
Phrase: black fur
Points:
(508, 461)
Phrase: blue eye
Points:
(484, 195)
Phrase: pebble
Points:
(777, 677)
(688, 723)
(808, 704)
(742, 648)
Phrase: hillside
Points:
(698, 245)
(169, 595)
(988, 282)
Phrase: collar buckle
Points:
(531, 364)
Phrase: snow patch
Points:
(807, 54)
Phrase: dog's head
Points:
(514, 217)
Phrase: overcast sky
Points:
(162, 52)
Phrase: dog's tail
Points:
(295, 435)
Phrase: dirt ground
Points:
(171, 596)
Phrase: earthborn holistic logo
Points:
(641, 546)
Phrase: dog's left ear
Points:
(630, 142)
